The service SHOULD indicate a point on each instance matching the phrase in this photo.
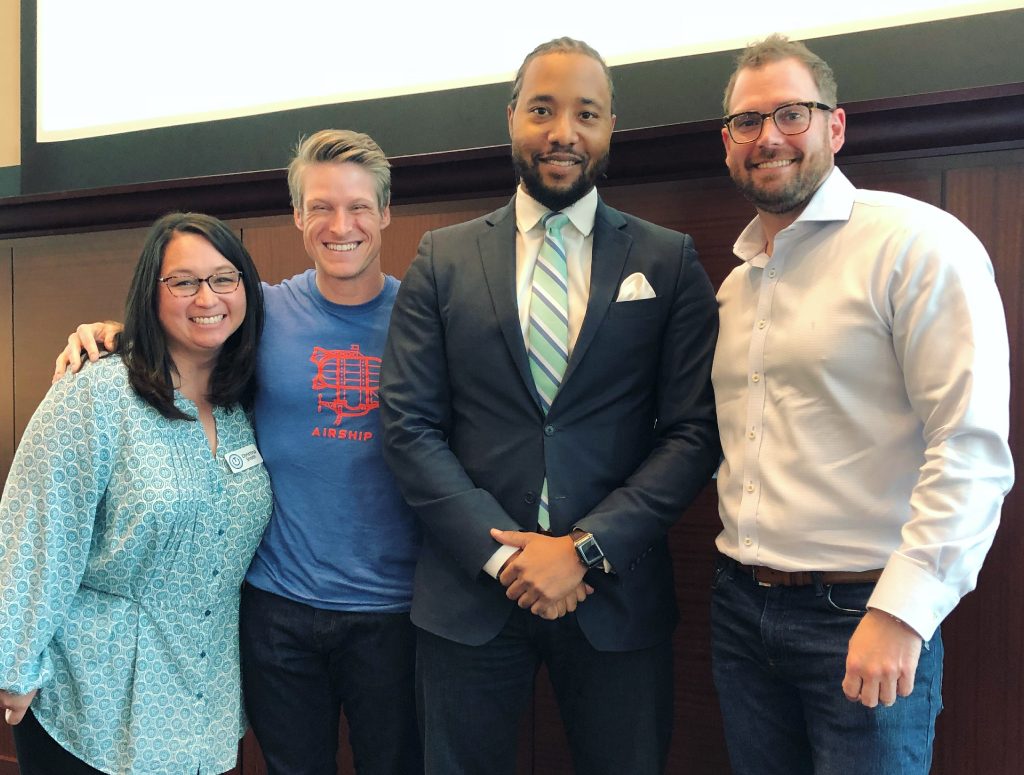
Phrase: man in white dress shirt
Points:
(861, 381)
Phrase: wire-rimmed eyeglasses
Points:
(187, 285)
(793, 118)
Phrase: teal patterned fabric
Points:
(123, 543)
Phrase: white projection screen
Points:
(105, 67)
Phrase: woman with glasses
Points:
(134, 504)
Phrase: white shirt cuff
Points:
(493, 566)
(914, 595)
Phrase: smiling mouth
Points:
(773, 164)
(342, 247)
(561, 160)
(210, 320)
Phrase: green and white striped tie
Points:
(548, 334)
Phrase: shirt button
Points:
(755, 377)
(771, 273)
(220, 532)
(216, 573)
(206, 612)
(747, 542)
(752, 435)
(530, 497)
(762, 323)
(199, 695)
(750, 486)
(549, 430)
(202, 654)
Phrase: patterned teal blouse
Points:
(123, 543)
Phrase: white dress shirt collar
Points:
(833, 201)
(581, 212)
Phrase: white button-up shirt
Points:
(861, 378)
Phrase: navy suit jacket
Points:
(629, 441)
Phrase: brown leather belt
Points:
(769, 577)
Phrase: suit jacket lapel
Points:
(611, 247)
(498, 256)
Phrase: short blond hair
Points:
(337, 146)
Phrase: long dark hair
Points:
(143, 343)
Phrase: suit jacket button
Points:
(531, 497)
(549, 430)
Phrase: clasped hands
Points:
(544, 575)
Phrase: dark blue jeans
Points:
(779, 657)
(302, 665)
(616, 706)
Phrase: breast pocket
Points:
(641, 308)
(629, 338)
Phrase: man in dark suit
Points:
(547, 484)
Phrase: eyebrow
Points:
(226, 267)
(317, 200)
(547, 98)
(784, 103)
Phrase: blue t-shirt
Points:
(341, 537)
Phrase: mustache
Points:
(561, 150)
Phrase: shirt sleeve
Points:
(493, 566)
(47, 516)
(949, 335)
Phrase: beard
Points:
(793, 195)
(557, 198)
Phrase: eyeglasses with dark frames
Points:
(187, 285)
(793, 118)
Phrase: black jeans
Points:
(40, 754)
(301, 666)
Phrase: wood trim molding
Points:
(919, 125)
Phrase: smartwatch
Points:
(587, 549)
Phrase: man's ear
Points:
(837, 129)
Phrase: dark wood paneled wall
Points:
(49, 283)
(984, 687)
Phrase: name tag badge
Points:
(243, 458)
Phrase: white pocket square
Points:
(635, 287)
